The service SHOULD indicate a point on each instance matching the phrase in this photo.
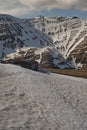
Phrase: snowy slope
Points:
(33, 101)
(16, 33)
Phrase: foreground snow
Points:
(35, 101)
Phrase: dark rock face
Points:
(80, 53)
(29, 64)
(47, 60)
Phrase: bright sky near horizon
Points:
(32, 8)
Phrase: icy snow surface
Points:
(36, 101)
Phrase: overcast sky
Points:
(31, 8)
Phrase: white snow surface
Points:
(36, 101)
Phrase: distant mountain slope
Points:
(18, 33)
(69, 35)
(65, 35)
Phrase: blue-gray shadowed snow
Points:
(34, 101)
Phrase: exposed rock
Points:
(46, 57)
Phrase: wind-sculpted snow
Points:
(36, 101)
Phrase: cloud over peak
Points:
(21, 7)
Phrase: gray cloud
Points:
(21, 7)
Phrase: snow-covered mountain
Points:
(69, 35)
(21, 39)
(50, 41)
